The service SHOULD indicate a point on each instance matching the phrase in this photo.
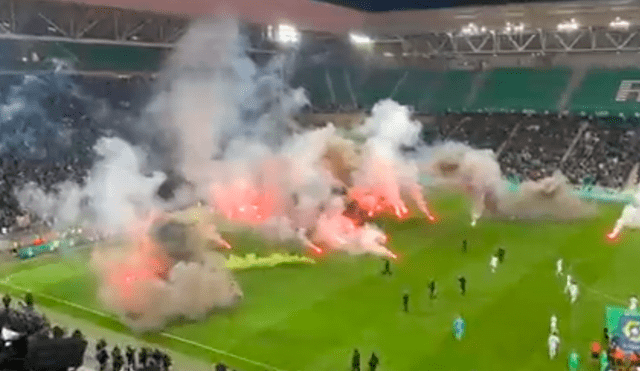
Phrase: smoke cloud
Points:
(478, 173)
(115, 195)
(164, 272)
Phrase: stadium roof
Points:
(324, 15)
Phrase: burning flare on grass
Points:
(630, 218)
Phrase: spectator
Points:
(117, 359)
(28, 300)
(167, 362)
(101, 344)
(58, 332)
(102, 357)
(143, 356)
(77, 335)
(131, 355)
(6, 300)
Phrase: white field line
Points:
(5, 282)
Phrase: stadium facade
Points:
(574, 57)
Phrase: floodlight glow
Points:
(619, 24)
(513, 28)
(472, 29)
(360, 39)
(571, 25)
(287, 34)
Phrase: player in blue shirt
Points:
(459, 327)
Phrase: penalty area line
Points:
(164, 334)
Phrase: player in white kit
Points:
(559, 267)
(493, 264)
(554, 344)
(573, 292)
(633, 303)
(569, 281)
(554, 324)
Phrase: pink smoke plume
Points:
(340, 232)
(242, 201)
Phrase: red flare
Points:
(612, 237)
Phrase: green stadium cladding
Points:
(600, 92)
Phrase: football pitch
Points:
(311, 317)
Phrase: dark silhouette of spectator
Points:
(77, 335)
(117, 359)
(28, 300)
(131, 356)
(101, 344)
(6, 300)
(102, 357)
(58, 332)
(167, 362)
(143, 356)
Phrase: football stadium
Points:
(326, 185)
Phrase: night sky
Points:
(387, 5)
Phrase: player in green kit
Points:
(604, 361)
(459, 327)
(574, 361)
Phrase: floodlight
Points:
(287, 34)
(619, 24)
(360, 39)
(569, 26)
(472, 29)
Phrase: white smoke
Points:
(220, 104)
(386, 175)
(115, 194)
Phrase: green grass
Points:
(311, 317)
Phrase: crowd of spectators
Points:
(533, 146)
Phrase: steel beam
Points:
(588, 40)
